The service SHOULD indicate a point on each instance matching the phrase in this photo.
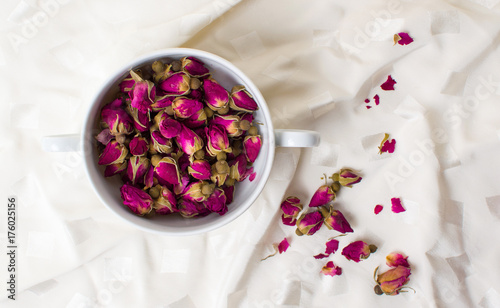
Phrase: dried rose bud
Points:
(217, 177)
(149, 179)
(114, 153)
(176, 84)
(160, 143)
(188, 141)
(347, 177)
(142, 94)
(194, 67)
(138, 145)
(198, 191)
(309, 223)
(215, 95)
(396, 259)
(358, 251)
(161, 71)
(238, 168)
(331, 269)
(200, 169)
(114, 169)
(334, 219)
(104, 136)
(230, 124)
(166, 202)
(229, 192)
(128, 83)
(141, 120)
(114, 117)
(291, 206)
(185, 107)
(242, 100)
(217, 202)
(167, 171)
(252, 145)
(392, 281)
(196, 120)
(136, 199)
(137, 168)
(217, 140)
(188, 208)
(169, 127)
(162, 102)
(323, 195)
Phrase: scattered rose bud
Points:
(242, 100)
(138, 145)
(402, 38)
(397, 206)
(334, 219)
(357, 251)
(309, 223)
(396, 259)
(323, 195)
(378, 209)
(388, 85)
(331, 269)
(279, 248)
(291, 206)
(251, 146)
(393, 281)
(114, 153)
(176, 84)
(136, 199)
(347, 177)
(194, 67)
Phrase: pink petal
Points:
(138, 146)
(377, 99)
(397, 207)
(388, 85)
(405, 38)
(332, 246)
(104, 136)
(356, 251)
(283, 245)
(378, 209)
(170, 128)
(367, 101)
(251, 146)
(291, 206)
(243, 101)
(194, 67)
(389, 146)
(368, 107)
(185, 107)
(288, 220)
(252, 176)
(215, 95)
(217, 202)
(396, 259)
(321, 256)
(331, 269)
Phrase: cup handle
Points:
(61, 143)
(296, 138)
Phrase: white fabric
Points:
(315, 63)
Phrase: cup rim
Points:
(95, 105)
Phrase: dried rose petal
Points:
(387, 146)
(136, 199)
(176, 84)
(378, 209)
(331, 269)
(347, 177)
(368, 107)
(335, 220)
(323, 195)
(184, 107)
(104, 136)
(321, 256)
(388, 85)
(229, 192)
(194, 67)
(377, 99)
(357, 251)
(392, 281)
(289, 220)
(332, 246)
(169, 127)
(114, 169)
(309, 223)
(142, 94)
(166, 203)
(138, 145)
(161, 103)
(149, 179)
(217, 202)
(397, 207)
(251, 146)
(402, 38)
(113, 153)
(189, 141)
(242, 100)
(137, 168)
(215, 95)
(396, 259)
(367, 101)
(279, 248)
(167, 171)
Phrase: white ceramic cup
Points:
(246, 192)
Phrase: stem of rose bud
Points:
(375, 274)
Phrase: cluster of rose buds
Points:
(178, 139)
(320, 210)
(394, 280)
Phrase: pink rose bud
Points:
(141, 120)
(161, 103)
(216, 96)
(392, 281)
(291, 206)
(114, 169)
(186, 107)
(166, 203)
(238, 168)
(143, 93)
(169, 127)
(358, 251)
(198, 191)
(127, 84)
(347, 177)
(217, 140)
(113, 153)
(196, 120)
(176, 84)
(136, 199)
(137, 168)
(200, 169)
(160, 143)
(114, 117)
(188, 208)
(149, 179)
(181, 187)
(229, 192)
(167, 171)
(396, 259)
(252, 145)
(334, 219)
(331, 269)
(230, 124)
(138, 145)
(194, 67)
(104, 136)
(242, 100)
(288, 220)
(188, 141)
(323, 195)
(309, 223)
(217, 202)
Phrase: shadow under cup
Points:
(245, 193)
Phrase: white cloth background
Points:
(315, 63)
